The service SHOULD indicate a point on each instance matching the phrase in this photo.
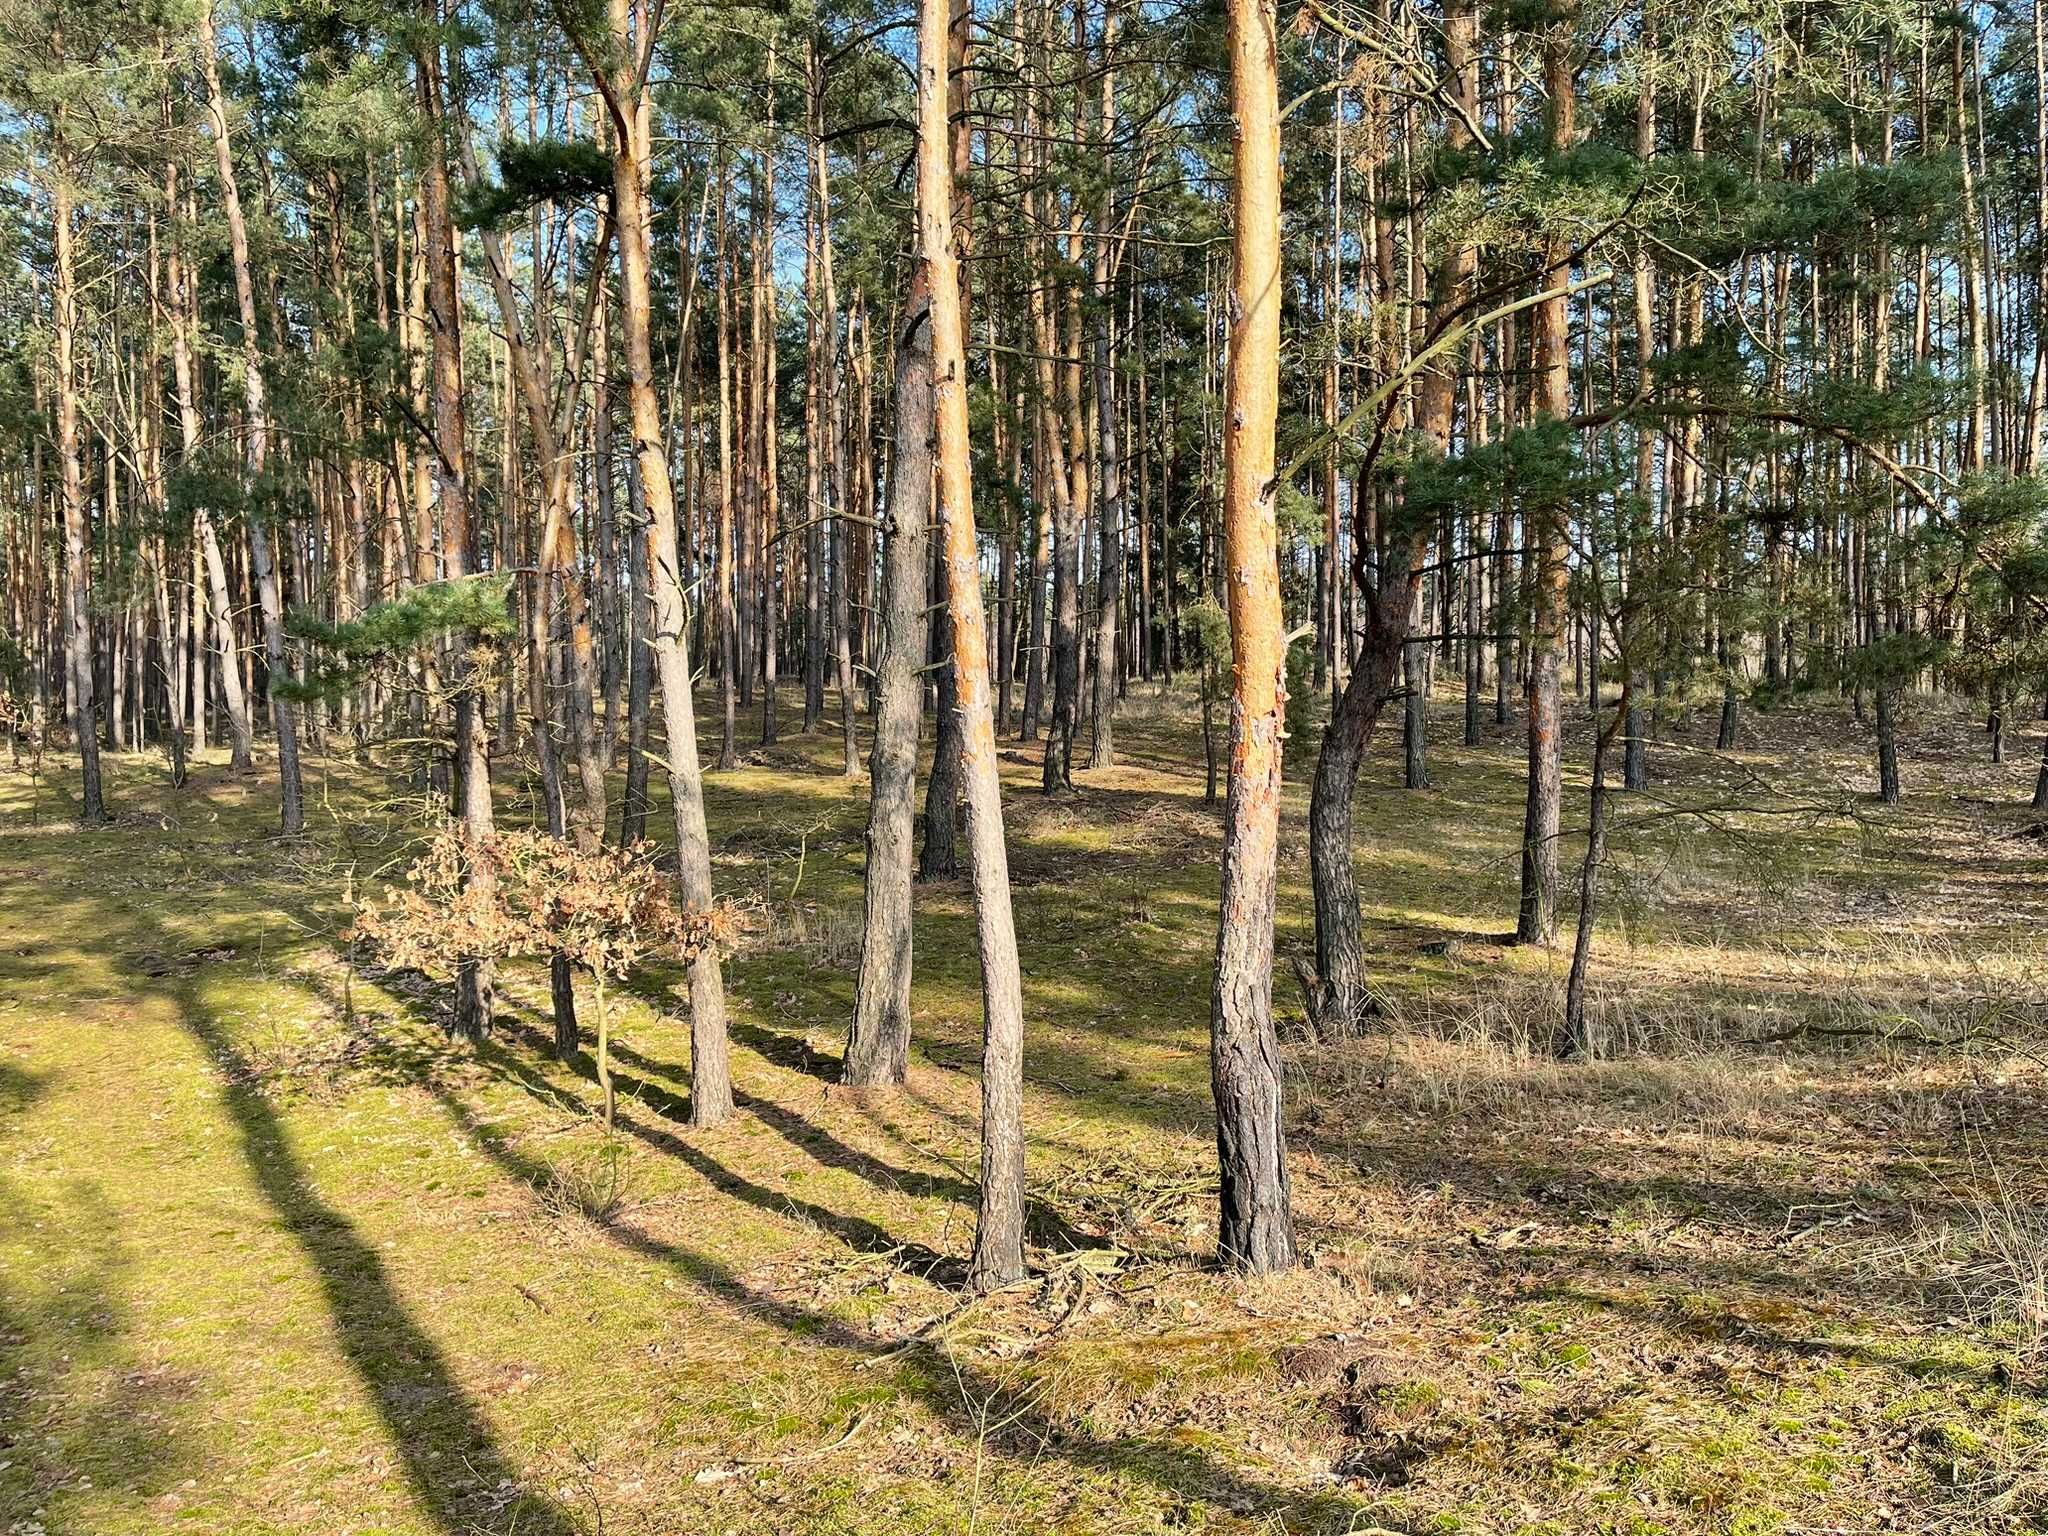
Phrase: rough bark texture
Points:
(878, 1044)
(999, 1235)
(1256, 1231)
(1887, 747)
(1392, 600)
(475, 988)
(1414, 715)
(710, 1050)
(1536, 920)
(939, 856)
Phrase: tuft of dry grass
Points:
(593, 1182)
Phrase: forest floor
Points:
(277, 1256)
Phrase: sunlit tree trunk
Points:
(999, 1236)
(256, 440)
(1256, 1231)
(1109, 520)
(475, 987)
(92, 807)
(619, 68)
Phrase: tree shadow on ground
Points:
(1045, 1225)
(1664, 1313)
(813, 1140)
(856, 1232)
(968, 1401)
(68, 1318)
(434, 1424)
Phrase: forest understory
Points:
(278, 1255)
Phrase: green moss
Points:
(274, 1237)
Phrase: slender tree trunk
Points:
(1634, 753)
(1109, 574)
(1256, 1232)
(1536, 921)
(1414, 705)
(731, 656)
(710, 1050)
(184, 320)
(639, 678)
(1572, 1040)
(938, 857)
(999, 1236)
(256, 442)
(92, 806)
(475, 986)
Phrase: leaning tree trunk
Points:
(710, 1050)
(1340, 999)
(878, 1043)
(269, 597)
(1571, 1039)
(1256, 1230)
(1393, 599)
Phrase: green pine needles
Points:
(342, 653)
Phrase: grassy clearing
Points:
(276, 1257)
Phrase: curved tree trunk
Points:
(1393, 597)
(710, 1050)
(1341, 1000)
(1572, 1039)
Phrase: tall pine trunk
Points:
(1256, 1232)
(710, 1050)
(256, 440)
(999, 1235)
